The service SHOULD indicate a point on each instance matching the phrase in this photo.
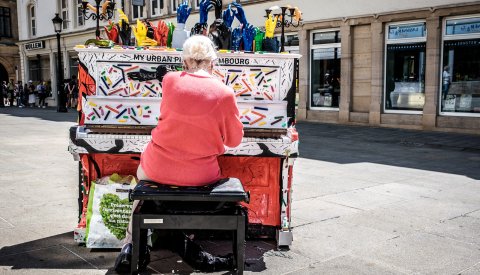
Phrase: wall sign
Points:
(138, 3)
(406, 31)
(463, 26)
(35, 45)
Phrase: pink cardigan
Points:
(199, 115)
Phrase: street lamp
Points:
(282, 21)
(61, 105)
(107, 12)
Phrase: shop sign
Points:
(463, 26)
(35, 45)
(138, 3)
(325, 54)
(406, 31)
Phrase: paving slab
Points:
(331, 238)
(365, 200)
(362, 199)
(348, 264)
(391, 220)
(464, 229)
(434, 209)
(474, 270)
(319, 210)
(423, 253)
(402, 190)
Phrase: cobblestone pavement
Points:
(366, 201)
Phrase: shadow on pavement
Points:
(49, 113)
(61, 252)
(452, 153)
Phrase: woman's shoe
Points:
(124, 259)
(123, 262)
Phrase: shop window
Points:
(138, 10)
(73, 63)
(5, 22)
(39, 69)
(460, 76)
(325, 70)
(64, 9)
(79, 10)
(156, 7)
(404, 81)
(291, 42)
(33, 21)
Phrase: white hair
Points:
(199, 48)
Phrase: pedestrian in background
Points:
(31, 94)
(11, 92)
(42, 94)
(19, 94)
(2, 94)
(5, 93)
(72, 89)
(25, 95)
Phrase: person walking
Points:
(31, 94)
(19, 94)
(25, 95)
(71, 87)
(11, 92)
(446, 80)
(2, 94)
(5, 93)
(42, 94)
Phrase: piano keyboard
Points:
(83, 142)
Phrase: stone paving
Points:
(366, 201)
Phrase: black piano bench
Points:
(211, 207)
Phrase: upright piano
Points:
(120, 91)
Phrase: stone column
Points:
(304, 72)
(432, 72)
(346, 74)
(24, 75)
(377, 73)
(53, 73)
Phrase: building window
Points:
(73, 62)
(460, 76)
(156, 7)
(196, 4)
(138, 11)
(404, 81)
(291, 42)
(5, 23)
(80, 19)
(39, 68)
(64, 8)
(174, 5)
(33, 22)
(325, 69)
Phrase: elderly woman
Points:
(199, 116)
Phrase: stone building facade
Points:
(403, 64)
(410, 49)
(9, 57)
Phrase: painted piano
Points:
(120, 91)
